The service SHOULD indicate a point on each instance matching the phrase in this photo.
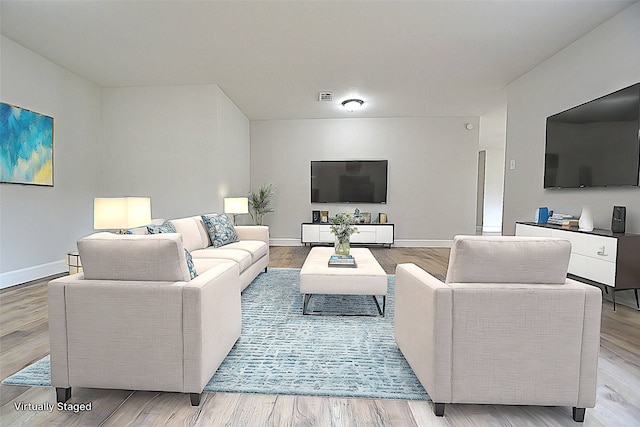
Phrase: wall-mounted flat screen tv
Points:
(349, 181)
(596, 144)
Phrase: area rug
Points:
(281, 351)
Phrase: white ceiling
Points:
(416, 58)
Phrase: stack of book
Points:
(570, 223)
(342, 261)
(558, 218)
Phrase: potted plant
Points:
(342, 226)
(260, 202)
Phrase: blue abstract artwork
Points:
(26, 146)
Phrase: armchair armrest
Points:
(212, 322)
(58, 332)
(422, 328)
(253, 232)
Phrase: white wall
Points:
(39, 225)
(186, 147)
(432, 172)
(601, 62)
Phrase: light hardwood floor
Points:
(24, 339)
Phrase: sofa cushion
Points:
(204, 264)
(243, 258)
(192, 236)
(220, 229)
(256, 248)
(150, 257)
(165, 227)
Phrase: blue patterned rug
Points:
(282, 352)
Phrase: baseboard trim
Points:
(17, 277)
(285, 242)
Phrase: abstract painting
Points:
(26, 146)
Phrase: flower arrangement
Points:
(342, 226)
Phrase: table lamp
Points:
(235, 206)
(121, 213)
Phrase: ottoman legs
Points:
(307, 297)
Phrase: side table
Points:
(74, 263)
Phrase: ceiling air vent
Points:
(325, 96)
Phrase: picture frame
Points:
(26, 146)
(324, 216)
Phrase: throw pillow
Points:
(165, 227)
(192, 268)
(220, 228)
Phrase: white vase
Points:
(586, 220)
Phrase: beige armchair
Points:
(135, 320)
(506, 327)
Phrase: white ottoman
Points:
(368, 278)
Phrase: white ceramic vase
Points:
(586, 220)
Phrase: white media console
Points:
(368, 234)
(598, 256)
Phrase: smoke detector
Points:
(325, 96)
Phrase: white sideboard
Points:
(368, 234)
(598, 256)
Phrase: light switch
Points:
(512, 164)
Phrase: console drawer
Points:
(602, 271)
(364, 237)
(598, 247)
(593, 269)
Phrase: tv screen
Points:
(349, 181)
(595, 144)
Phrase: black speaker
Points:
(619, 219)
(316, 216)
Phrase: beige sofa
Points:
(506, 326)
(250, 252)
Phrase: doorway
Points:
(482, 167)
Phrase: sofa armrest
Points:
(590, 345)
(422, 328)
(212, 322)
(253, 232)
(58, 332)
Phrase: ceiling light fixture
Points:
(352, 104)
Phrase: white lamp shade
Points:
(236, 205)
(110, 213)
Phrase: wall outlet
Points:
(512, 164)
